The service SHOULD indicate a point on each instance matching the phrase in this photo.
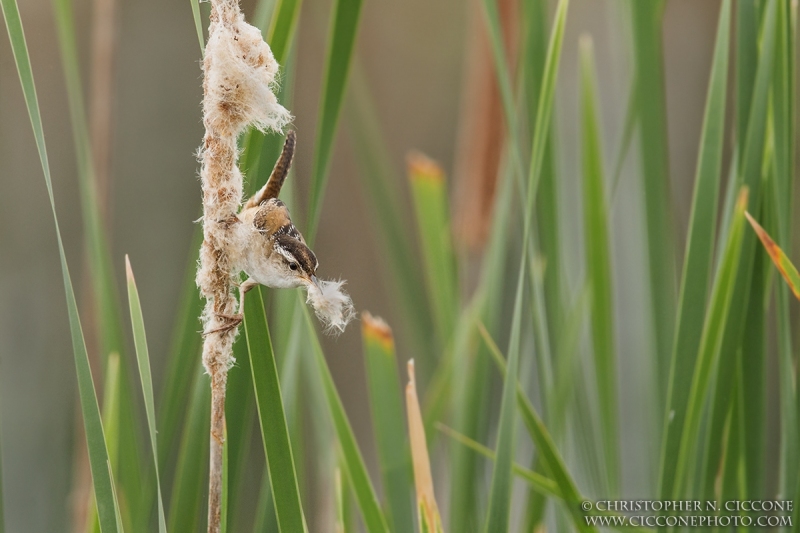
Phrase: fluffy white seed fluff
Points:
(241, 80)
(239, 77)
(332, 305)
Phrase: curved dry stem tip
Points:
(429, 518)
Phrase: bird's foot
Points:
(233, 322)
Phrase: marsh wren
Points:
(267, 246)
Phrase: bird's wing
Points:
(272, 219)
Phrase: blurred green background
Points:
(413, 56)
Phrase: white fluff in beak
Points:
(332, 305)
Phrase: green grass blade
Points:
(104, 287)
(500, 492)
(715, 441)
(110, 416)
(353, 462)
(103, 283)
(699, 252)
(283, 27)
(553, 462)
(731, 472)
(504, 82)
(198, 24)
(271, 416)
(500, 495)
(749, 173)
(143, 359)
(191, 473)
(340, 514)
(469, 418)
(746, 65)
(462, 383)
(385, 400)
(784, 135)
(263, 14)
(541, 136)
(752, 381)
(344, 28)
(117, 513)
(631, 119)
(782, 126)
(95, 440)
(598, 265)
(240, 420)
(651, 103)
(710, 344)
(538, 482)
(260, 151)
(433, 227)
(183, 360)
(544, 110)
(548, 223)
(265, 520)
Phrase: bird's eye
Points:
(293, 266)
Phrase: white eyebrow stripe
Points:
(285, 253)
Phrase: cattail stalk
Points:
(239, 73)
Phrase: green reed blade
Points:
(539, 482)
(271, 416)
(240, 417)
(746, 64)
(110, 417)
(709, 350)
(353, 462)
(183, 360)
(598, 265)
(433, 228)
(143, 359)
(651, 104)
(699, 252)
(187, 503)
(283, 27)
(344, 28)
(104, 286)
(553, 462)
(386, 406)
(93, 425)
(500, 494)
(782, 110)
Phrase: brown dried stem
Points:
(238, 73)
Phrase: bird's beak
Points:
(315, 281)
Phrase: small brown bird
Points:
(267, 246)
(274, 252)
